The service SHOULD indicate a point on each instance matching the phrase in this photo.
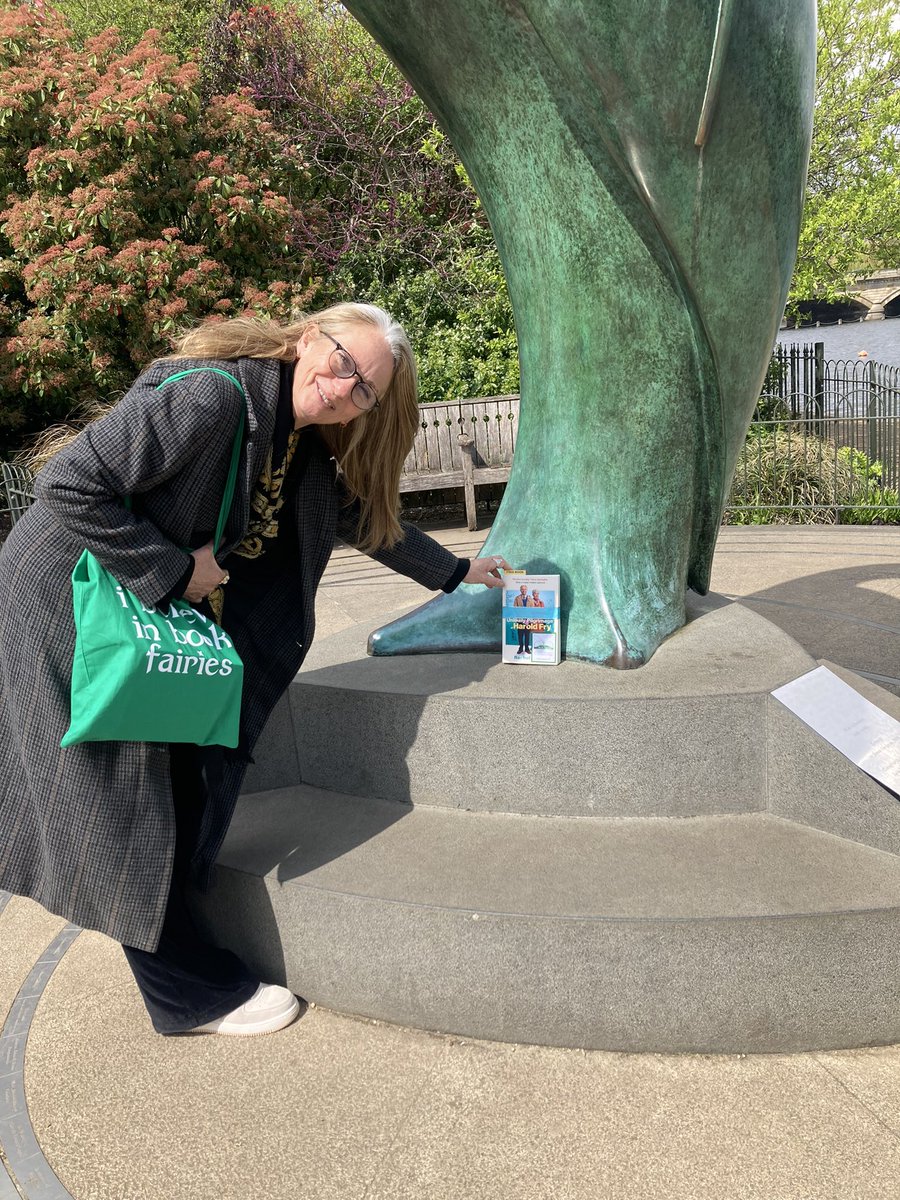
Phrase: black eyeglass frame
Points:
(350, 374)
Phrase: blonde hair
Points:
(370, 450)
(48, 443)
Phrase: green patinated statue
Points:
(642, 163)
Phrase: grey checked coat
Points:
(89, 831)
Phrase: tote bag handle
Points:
(235, 449)
(228, 494)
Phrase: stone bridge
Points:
(875, 291)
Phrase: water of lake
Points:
(880, 338)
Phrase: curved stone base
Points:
(734, 888)
(718, 934)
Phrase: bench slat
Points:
(422, 482)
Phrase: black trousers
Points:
(186, 981)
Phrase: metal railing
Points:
(16, 491)
(825, 443)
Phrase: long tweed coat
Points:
(89, 831)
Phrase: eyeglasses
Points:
(343, 365)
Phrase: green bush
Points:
(465, 341)
(392, 217)
(783, 477)
(882, 504)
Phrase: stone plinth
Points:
(663, 859)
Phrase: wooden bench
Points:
(463, 444)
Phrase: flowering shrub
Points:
(293, 167)
(387, 194)
(389, 215)
(181, 25)
(132, 208)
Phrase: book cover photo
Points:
(531, 623)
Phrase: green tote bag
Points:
(140, 674)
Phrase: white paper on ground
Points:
(852, 724)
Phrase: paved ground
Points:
(93, 1105)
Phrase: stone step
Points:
(686, 734)
(714, 933)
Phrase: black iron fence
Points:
(824, 444)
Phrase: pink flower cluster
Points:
(133, 209)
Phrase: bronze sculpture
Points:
(643, 167)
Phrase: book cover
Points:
(531, 622)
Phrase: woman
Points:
(109, 834)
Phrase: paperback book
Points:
(531, 629)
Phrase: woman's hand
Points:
(487, 571)
(207, 575)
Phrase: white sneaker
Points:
(270, 1008)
